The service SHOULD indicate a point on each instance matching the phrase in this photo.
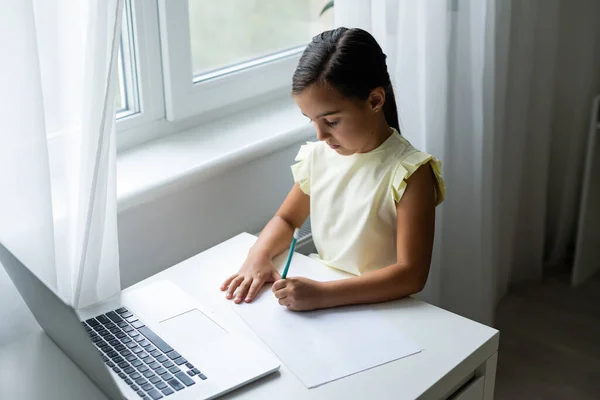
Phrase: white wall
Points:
(163, 232)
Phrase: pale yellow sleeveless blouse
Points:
(353, 200)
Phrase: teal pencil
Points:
(291, 253)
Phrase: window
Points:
(219, 52)
(231, 34)
(188, 58)
(127, 98)
(120, 101)
(140, 98)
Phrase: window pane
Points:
(228, 32)
(127, 95)
(121, 102)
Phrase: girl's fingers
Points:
(283, 301)
(278, 285)
(254, 288)
(233, 285)
(281, 293)
(225, 284)
(243, 289)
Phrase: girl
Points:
(371, 196)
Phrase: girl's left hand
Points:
(299, 294)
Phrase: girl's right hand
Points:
(256, 271)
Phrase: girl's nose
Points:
(321, 134)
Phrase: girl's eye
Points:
(331, 124)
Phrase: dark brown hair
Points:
(351, 61)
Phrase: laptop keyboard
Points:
(139, 356)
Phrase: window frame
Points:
(127, 66)
(122, 89)
(167, 106)
(143, 45)
(187, 97)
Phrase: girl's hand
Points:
(256, 271)
(299, 294)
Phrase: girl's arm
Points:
(258, 268)
(277, 234)
(414, 244)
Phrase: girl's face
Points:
(348, 126)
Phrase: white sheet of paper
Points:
(324, 345)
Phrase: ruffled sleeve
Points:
(301, 170)
(407, 166)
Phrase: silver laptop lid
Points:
(60, 322)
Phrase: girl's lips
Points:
(334, 146)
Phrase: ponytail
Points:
(390, 110)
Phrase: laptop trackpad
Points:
(193, 325)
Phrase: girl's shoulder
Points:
(408, 160)
(302, 170)
(306, 150)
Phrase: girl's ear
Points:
(377, 99)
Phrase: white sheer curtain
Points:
(500, 90)
(57, 149)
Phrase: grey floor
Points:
(550, 341)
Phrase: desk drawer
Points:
(473, 390)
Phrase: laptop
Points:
(150, 343)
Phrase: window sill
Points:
(154, 169)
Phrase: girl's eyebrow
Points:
(324, 114)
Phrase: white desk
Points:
(459, 354)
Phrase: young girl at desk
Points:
(371, 196)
